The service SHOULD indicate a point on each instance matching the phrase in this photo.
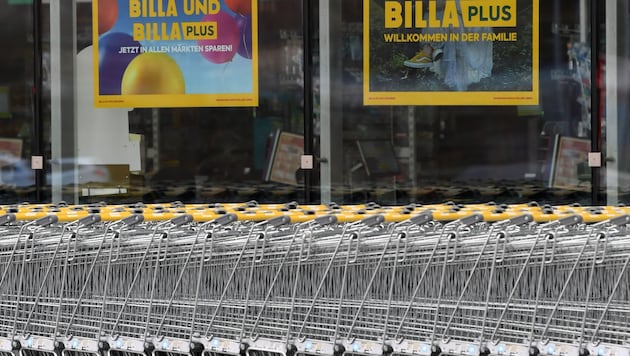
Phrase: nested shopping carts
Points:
(249, 279)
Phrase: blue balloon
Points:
(115, 51)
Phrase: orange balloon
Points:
(153, 73)
(107, 15)
(243, 7)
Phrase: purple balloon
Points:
(245, 27)
(115, 51)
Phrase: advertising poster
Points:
(450, 52)
(569, 168)
(10, 151)
(286, 156)
(175, 53)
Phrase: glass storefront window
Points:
(389, 154)
(464, 153)
(197, 154)
(18, 135)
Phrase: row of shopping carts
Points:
(285, 279)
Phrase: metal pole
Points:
(612, 94)
(37, 139)
(595, 102)
(63, 135)
(308, 95)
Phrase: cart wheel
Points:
(291, 350)
(484, 351)
(338, 350)
(584, 352)
(148, 348)
(533, 351)
(387, 350)
(15, 345)
(59, 346)
(436, 350)
(103, 346)
(196, 349)
(243, 348)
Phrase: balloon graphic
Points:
(112, 63)
(153, 73)
(107, 15)
(243, 7)
(245, 26)
(225, 46)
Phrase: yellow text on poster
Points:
(427, 14)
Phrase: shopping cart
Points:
(285, 279)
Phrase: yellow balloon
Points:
(153, 73)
